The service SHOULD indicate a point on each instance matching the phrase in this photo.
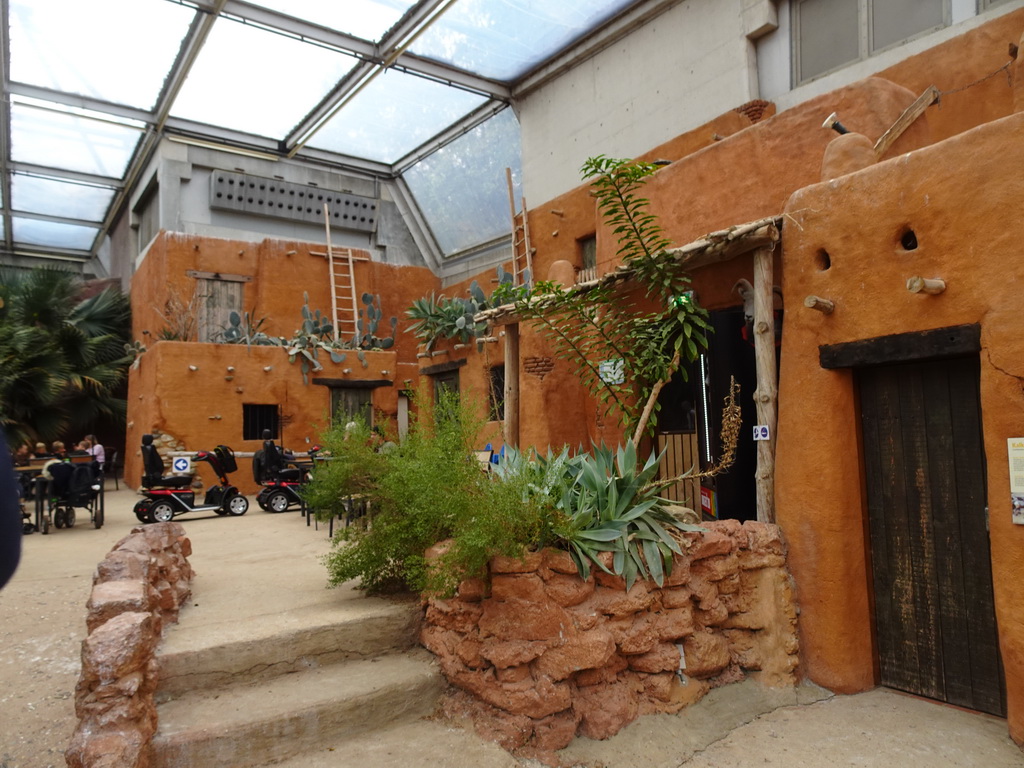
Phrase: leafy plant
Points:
(428, 488)
(62, 358)
(449, 318)
(644, 327)
(369, 321)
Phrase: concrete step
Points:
(414, 744)
(308, 711)
(208, 656)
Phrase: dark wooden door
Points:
(925, 475)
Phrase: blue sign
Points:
(180, 464)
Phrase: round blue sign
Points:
(181, 465)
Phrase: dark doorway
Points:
(690, 420)
(924, 467)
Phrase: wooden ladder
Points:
(522, 252)
(344, 308)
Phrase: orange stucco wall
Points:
(165, 394)
(959, 197)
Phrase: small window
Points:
(219, 299)
(588, 258)
(349, 404)
(496, 399)
(256, 418)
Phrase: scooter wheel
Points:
(58, 517)
(238, 504)
(277, 501)
(161, 512)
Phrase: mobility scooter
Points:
(170, 496)
(281, 483)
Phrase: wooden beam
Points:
(512, 385)
(904, 121)
(953, 341)
(712, 248)
(766, 395)
(433, 370)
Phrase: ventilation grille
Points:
(296, 202)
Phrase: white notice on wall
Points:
(1015, 449)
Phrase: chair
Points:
(111, 466)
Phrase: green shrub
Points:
(428, 488)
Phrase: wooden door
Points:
(925, 479)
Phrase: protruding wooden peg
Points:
(822, 305)
(919, 284)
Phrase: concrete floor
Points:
(256, 567)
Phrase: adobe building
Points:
(890, 269)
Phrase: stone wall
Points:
(137, 589)
(546, 655)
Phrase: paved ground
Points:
(272, 562)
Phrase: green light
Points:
(682, 300)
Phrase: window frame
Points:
(865, 38)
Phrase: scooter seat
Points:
(291, 473)
(170, 481)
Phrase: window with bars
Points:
(496, 393)
(258, 417)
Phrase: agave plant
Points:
(613, 507)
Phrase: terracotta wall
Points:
(203, 408)
(959, 198)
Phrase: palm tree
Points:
(62, 358)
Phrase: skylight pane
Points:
(256, 81)
(462, 188)
(115, 50)
(368, 19)
(393, 115)
(53, 234)
(504, 39)
(67, 199)
(59, 139)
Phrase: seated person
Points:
(57, 449)
(96, 449)
(40, 452)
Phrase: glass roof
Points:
(381, 86)
(422, 107)
(505, 40)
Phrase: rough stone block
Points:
(529, 563)
(716, 568)
(534, 698)
(663, 657)
(616, 602)
(455, 615)
(680, 573)
(514, 674)
(706, 653)
(674, 623)
(606, 674)
(525, 586)
(604, 709)
(523, 620)
(568, 590)
(708, 544)
(511, 653)
(559, 562)
(765, 537)
(118, 647)
(472, 590)
(122, 565)
(677, 597)
(586, 650)
(715, 616)
(555, 731)
(109, 598)
(635, 634)
(109, 749)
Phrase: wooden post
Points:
(330, 271)
(512, 385)
(766, 395)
